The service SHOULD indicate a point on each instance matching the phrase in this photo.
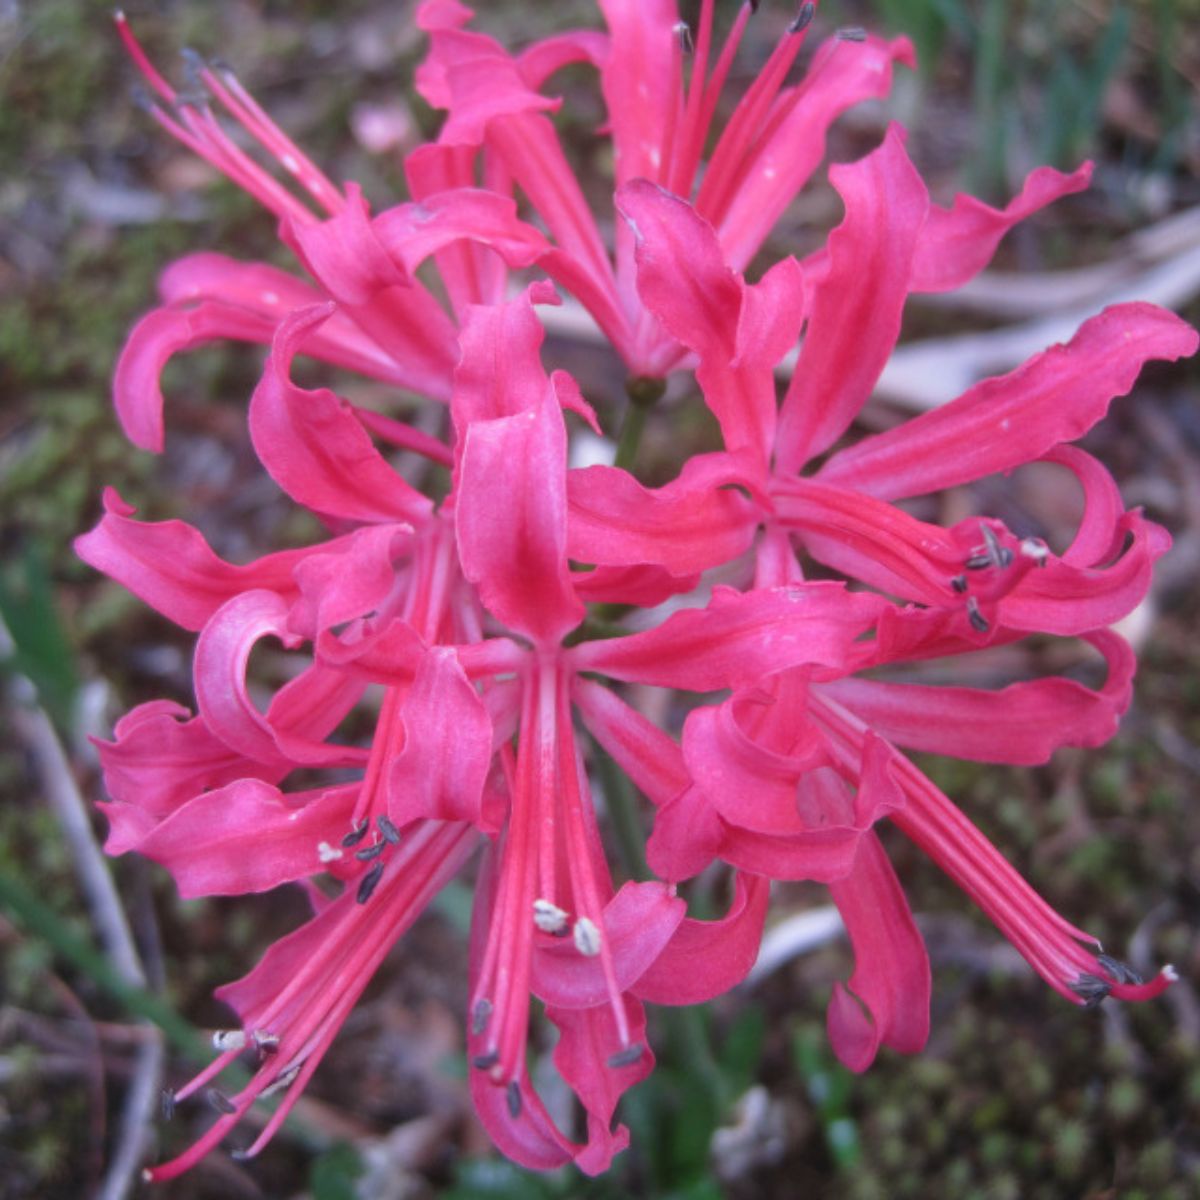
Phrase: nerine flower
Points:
(470, 614)
(408, 604)
(790, 774)
(661, 119)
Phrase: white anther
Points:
(228, 1039)
(1036, 549)
(587, 938)
(327, 853)
(548, 917)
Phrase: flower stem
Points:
(644, 393)
(622, 810)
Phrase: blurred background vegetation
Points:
(1019, 1095)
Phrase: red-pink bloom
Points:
(660, 125)
(791, 773)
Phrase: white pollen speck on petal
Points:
(327, 853)
(587, 937)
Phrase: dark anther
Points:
(483, 1062)
(369, 882)
(481, 1016)
(266, 1043)
(626, 1057)
(803, 18)
(221, 1102)
(357, 834)
(166, 1103)
(1000, 556)
(1121, 972)
(514, 1099)
(1091, 989)
(240, 1155)
(374, 850)
(753, 5)
(978, 562)
(388, 828)
(851, 33)
(683, 31)
(959, 584)
(978, 621)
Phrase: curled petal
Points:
(530, 1138)
(841, 75)
(1023, 723)
(1056, 396)
(958, 242)
(153, 341)
(644, 586)
(349, 577)
(855, 309)
(399, 314)
(249, 837)
(314, 447)
(441, 770)
(161, 757)
(639, 921)
(697, 521)
(222, 652)
(704, 959)
(587, 1046)
(643, 751)
(888, 998)
(266, 292)
(739, 638)
(170, 566)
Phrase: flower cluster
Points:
(483, 630)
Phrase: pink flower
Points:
(387, 324)
(791, 773)
(403, 598)
(660, 127)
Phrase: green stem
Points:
(45, 923)
(631, 436)
(622, 809)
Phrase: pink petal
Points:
(698, 520)
(957, 243)
(644, 586)
(413, 232)
(170, 566)
(641, 88)
(222, 652)
(314, 447)
(160, 758)
(855, 309)
(441, 770)
(548, 56)
(347, 258)
(267, 292)
(738, 638)
(888, 999)
(639, 921)
(687, 835)
(1057, 396)
(511, 512)
(249, 837)
(1023, 723)
(349, 577)
(842, 74)
(1068, 601)
(588, 1041)
(153, 341)
(531, 1138)
(706, 958)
